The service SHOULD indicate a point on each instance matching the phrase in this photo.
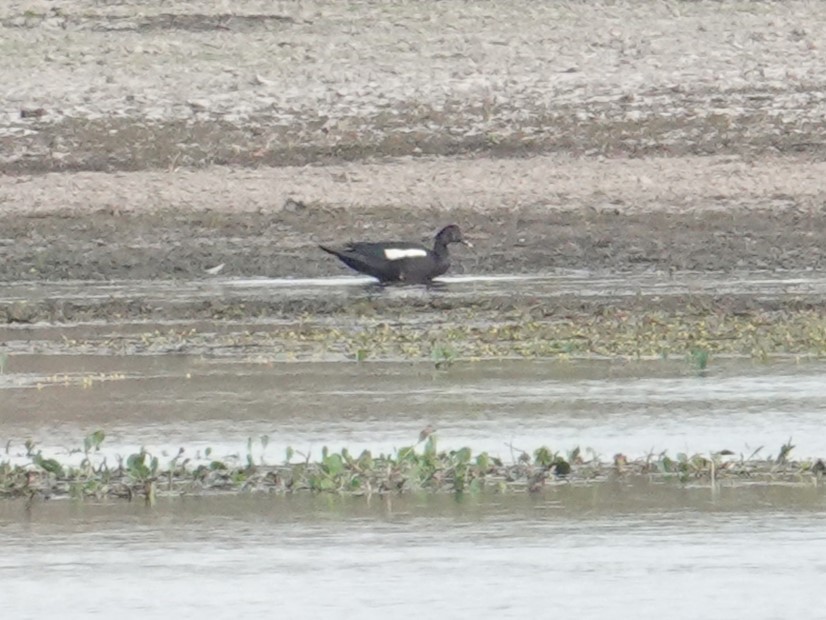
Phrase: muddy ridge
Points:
(166, 245)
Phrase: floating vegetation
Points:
(418, 468)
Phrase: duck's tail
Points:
(332, 251)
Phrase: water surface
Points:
(660, 551)
(167, 402)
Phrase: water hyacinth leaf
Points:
(463, 455)
(366, 460)
(49, 465)
(483, 462)
(543, 456)
(333, 464)
(135, 460)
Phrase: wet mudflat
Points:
(576, 551)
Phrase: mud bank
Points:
(157, 145)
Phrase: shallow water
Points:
(546, 286)
(167, 402)
(569, 552)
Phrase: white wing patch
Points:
(398, 253)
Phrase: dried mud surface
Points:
(157, 140)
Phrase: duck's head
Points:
(452, 234)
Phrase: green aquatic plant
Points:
(443, 356)
(699, 357)
(93, 441)
(139, 469)
(51, 466)
(547, 459)
(421, 467)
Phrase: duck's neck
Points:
(440, 248)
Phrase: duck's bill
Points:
(467, 243)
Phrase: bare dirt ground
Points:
(158, 139)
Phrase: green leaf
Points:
(366, 460)
(333, 464)
(50, 465)
(135, 460)
(463, 455)
(483, 462)
(543, 456)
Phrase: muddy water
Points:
(168, 402)
(572, 552)
(585, 284)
